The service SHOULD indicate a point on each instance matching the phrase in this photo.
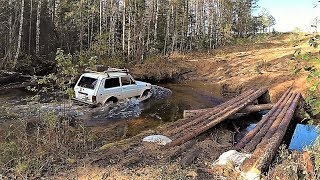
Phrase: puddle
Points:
(130, 117)
(164, 106)
(303, 136)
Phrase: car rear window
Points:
(113, 82)
(87, 82)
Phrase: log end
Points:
(252, 174)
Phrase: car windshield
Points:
(87, 82)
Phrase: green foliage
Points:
(67, 71)
(313, 68)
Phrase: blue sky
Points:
(292, 13)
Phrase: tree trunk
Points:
(30, 26)
(124, 27)
(38, 27)
(156, 22)
(10, 47)
(19, 36)
(81, 26)
(129, 31)
(167, 33)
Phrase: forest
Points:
(159, 89)
(129, 31)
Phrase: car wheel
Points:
(146, 94)
(110, 101)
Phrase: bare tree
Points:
(38, 27)
(19, 36)
(30, 26)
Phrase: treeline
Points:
(130, 30)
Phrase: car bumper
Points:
(80, 101)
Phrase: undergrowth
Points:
(40, 142)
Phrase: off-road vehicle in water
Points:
(100, 88)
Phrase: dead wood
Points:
(16, 86)
(9, 78)
(173, 154)
(212, 119)
(259, 125)
(265, 151)
(271, 125)
(205, 115)
(247, 110)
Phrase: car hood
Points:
(140, 83)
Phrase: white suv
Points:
(99, 88)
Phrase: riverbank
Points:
(113, 148)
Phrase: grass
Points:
(43, 145)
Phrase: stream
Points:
(130, 117)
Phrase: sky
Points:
(290, 14)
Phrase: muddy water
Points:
(130, 117)
(166, 105)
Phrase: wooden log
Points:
(195, 131)
(247, 110)
(204, 115)
(273, 122)
(9, 78)
(259, 125)
(278, 120)
(16, 86)
(208, 119)
(265, 151)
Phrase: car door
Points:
(111, 88)
(129, 87)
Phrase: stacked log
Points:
(206, 120)
(280, 117)
(261, 123)
(247, 110)
(190, 121)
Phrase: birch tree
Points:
(20, 35)
(38, 27)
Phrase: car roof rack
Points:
(116, 70)
(109, 70)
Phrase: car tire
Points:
(146, 94)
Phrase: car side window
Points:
(112, 82)
(125, 80)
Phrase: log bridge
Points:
(263, 141)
